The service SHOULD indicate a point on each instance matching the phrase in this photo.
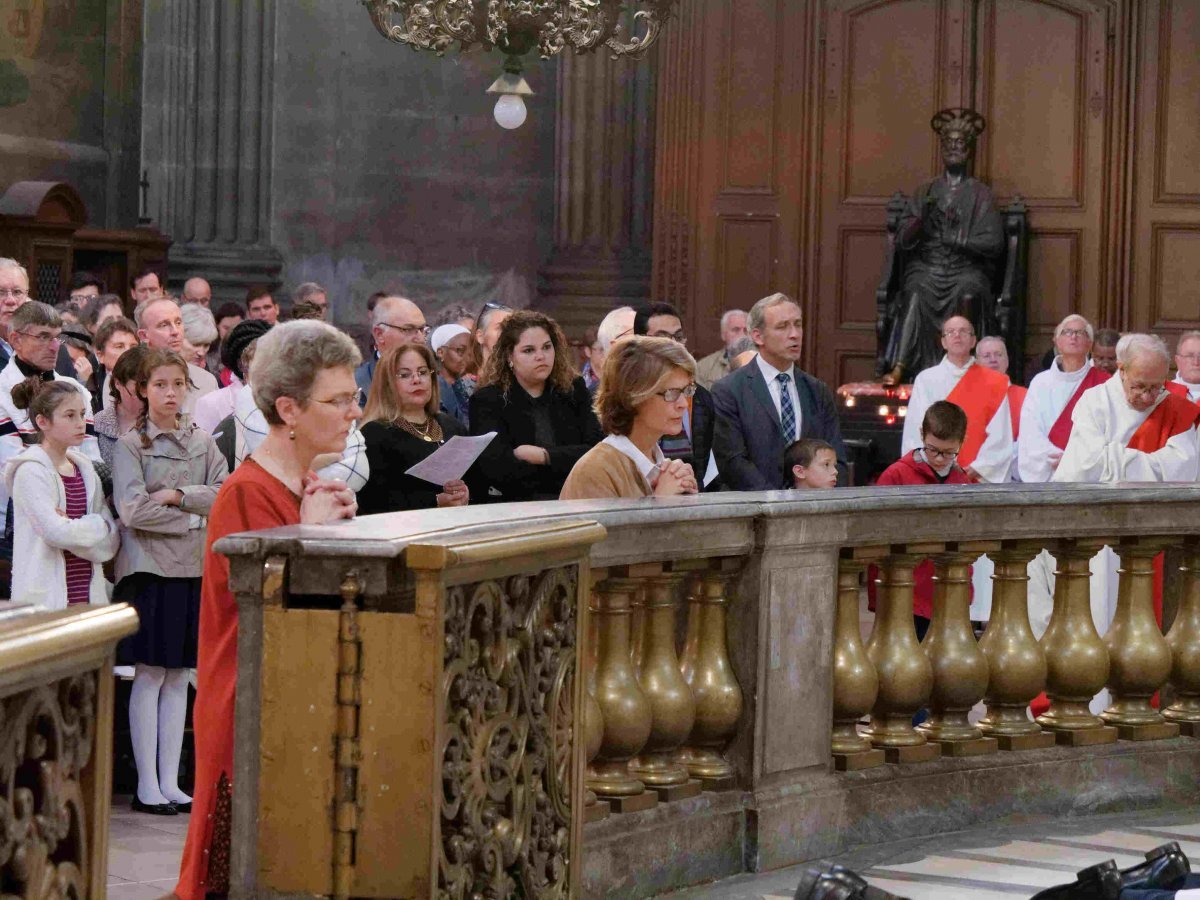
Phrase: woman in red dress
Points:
(303, 381)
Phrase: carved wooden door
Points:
(1040, 71)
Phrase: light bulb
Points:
(510, 111)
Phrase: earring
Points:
(292, 435)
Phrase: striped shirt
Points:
(79, 570)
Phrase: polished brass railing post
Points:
(1184, 640)
(905, 675)
(1076, 657)
(1016, 661)
(960, 670)
(855, 684)
(623, 705)
(593, 723)
(672, 707)
(1139, 656)
(710, 673)
(693, 591)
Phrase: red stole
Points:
(979, 393)
(1178, 390)
(1174, 415)
(1061, 432)
(1016, 400)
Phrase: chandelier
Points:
(518, 27)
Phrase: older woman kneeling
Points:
(645, 389)
(303, 382)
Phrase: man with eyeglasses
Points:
(693, 444)
(394, 321)
(160, 325)
(14, 291)
(35, 331)
(1187, 365)
(1132, 428)
(987, 451)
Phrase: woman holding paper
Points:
(402, 425)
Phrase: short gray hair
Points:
(991, 337)
(729, 314)
(9, 263)
(757, 317)
(37, 314)
(610, 328)
(380, 310)
(1131, 346)
(139, 312)
(306, 290)
(1091, 332)
(199, 327)
(741, 345)
(288, 358)
(1185, 337)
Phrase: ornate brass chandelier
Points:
(518, 27)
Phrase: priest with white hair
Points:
(1131, 428)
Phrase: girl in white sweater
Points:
(63, 531)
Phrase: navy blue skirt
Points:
(169, 611)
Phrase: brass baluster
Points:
(960, 670)
(623, 705)
(855, 684)
(1016, 661)
(1139, 656)
(905, 675)
(1076, 657)
(593, 724)
(1184, 640)
(672, 707)
(714, 685)
(694, 613)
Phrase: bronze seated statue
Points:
(950, 252)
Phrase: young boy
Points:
(943, 431)
(813, 464)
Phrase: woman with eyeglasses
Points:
(539, 408)
(643, 395)
(402, 425)
(488, 323)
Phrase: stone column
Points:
(604, 192)
(206, 138)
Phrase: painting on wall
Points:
(52, 69)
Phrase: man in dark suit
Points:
(694, 444)
(768, 403)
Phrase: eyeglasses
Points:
(409, 331)
(678, 337)
(1073, 332)
(343, 403)
(940, 454)
(420, 374)
(46, 337)
(1145, 390)
(1189, 357)
(14, 293)
(672, 395)
(958, 332)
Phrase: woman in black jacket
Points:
(539, 408)
(401, 426)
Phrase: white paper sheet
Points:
(711, 472)
(450, 461)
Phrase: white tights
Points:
(157, 710)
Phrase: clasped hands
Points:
(325, 501)
(674, 478)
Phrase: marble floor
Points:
(143, 852)
(1000, 863)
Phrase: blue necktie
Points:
(787, 414)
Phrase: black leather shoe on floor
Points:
(153, 809)
(182, 807)
(1166, 868)
(1102, 882)
(838, 883)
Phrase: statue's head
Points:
(957, 129)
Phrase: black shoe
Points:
(154, 809)
(182, 807)
(1166, 868)
(1102, 882)
(838, 883)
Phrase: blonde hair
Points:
(383, 401)
(634, 371)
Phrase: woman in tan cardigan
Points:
(645, 389)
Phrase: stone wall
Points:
(390, 173)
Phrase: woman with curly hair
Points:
(538, 406)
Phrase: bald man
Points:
(992, 353)
(987, 452)
(394, 321)
(198, 291)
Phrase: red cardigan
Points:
(907, 470)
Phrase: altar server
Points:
(987, 452)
